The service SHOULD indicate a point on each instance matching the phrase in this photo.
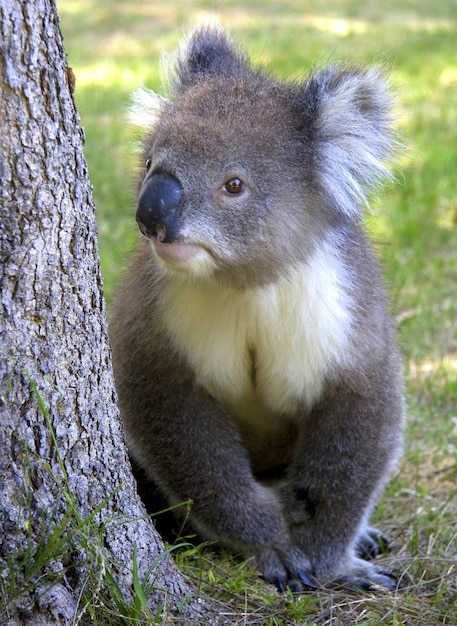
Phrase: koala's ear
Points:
(146, 108)
(348, 118)
(208, 52)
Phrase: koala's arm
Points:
(348, 446)
(188, 446)
(339, 468)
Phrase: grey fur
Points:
(306, 155)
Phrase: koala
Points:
(254, 355)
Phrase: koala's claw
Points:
(295, 584)
(371, 544)
(303, 576)
(279, 584)
(380, 581)
(388, 581)
(287, 569)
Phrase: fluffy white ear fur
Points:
(354, 123)
(146, 108)
(146, 105)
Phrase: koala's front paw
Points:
(286, 568)
(366, 577)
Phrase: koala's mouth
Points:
(178, 256)
(175, 253)
(172, 252)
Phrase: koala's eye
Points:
(234, 186)
(148, 163)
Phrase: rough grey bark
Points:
(62, 453)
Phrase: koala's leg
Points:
(342, 460)
(170, 523)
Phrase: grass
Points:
(115, 46)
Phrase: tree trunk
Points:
(70, 519)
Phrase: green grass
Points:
(115, 46)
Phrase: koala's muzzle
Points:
(158, 213)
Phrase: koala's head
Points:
(245, 175)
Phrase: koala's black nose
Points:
(158, 212)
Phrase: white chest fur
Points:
(266, 351)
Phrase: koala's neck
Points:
(268, 350)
